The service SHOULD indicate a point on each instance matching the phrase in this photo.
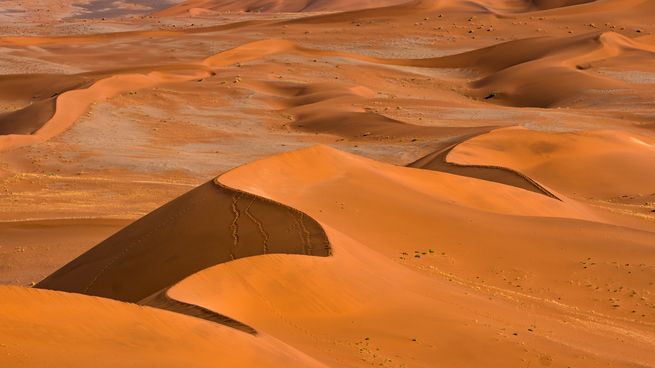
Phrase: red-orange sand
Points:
(313, 183)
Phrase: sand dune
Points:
(114, 334)
(600, 166)
(340, 194)
(41, 121)
(329, 108)
(546, 72)
(202, 6)
(49, 117)
(195, 6)
(328, 162)
(346, 195)
(543, 72)
(437, 161)
(475, 7)
(401, 183)
(209, 225)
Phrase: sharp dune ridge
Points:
(208, 225)
(322, 161)
(401, 183)
(617, 148)
(438, 161)
(107, 331)
(70, 105)
(161, 300)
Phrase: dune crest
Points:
(339, 193)
(208, 225)
(114, 334)
(605, 168)
(557, 66)
(41, 121)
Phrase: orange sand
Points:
(396, 183)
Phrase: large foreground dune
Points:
(384, 266)
(264, 183)
(76, 330)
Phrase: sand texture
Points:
(314, 183)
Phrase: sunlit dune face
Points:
(314, 183)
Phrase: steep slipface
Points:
(209, 225)
(548, 71)
(437, 161)
(37, 93)
(56, 107)
(607, 168)
(453, 265)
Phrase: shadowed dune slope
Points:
(490, 273)
(40, 328)
(539, 72)
(322, 164)
(437, 161)
(330, 108)
(542, 72)
(29, 87)
(596, 164)
(54, 114)
(210, 224)
(38, 92)
(548, 71)
(29, 119)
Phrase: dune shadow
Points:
(437, 161)
(210, 225)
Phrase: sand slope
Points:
(431, 268)
(74, 330)
(406, 183)
(209, 225)
(608, 167)
(196, 6)
(52, 116)
(334, 313)
(542, 72)
(547, 72)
